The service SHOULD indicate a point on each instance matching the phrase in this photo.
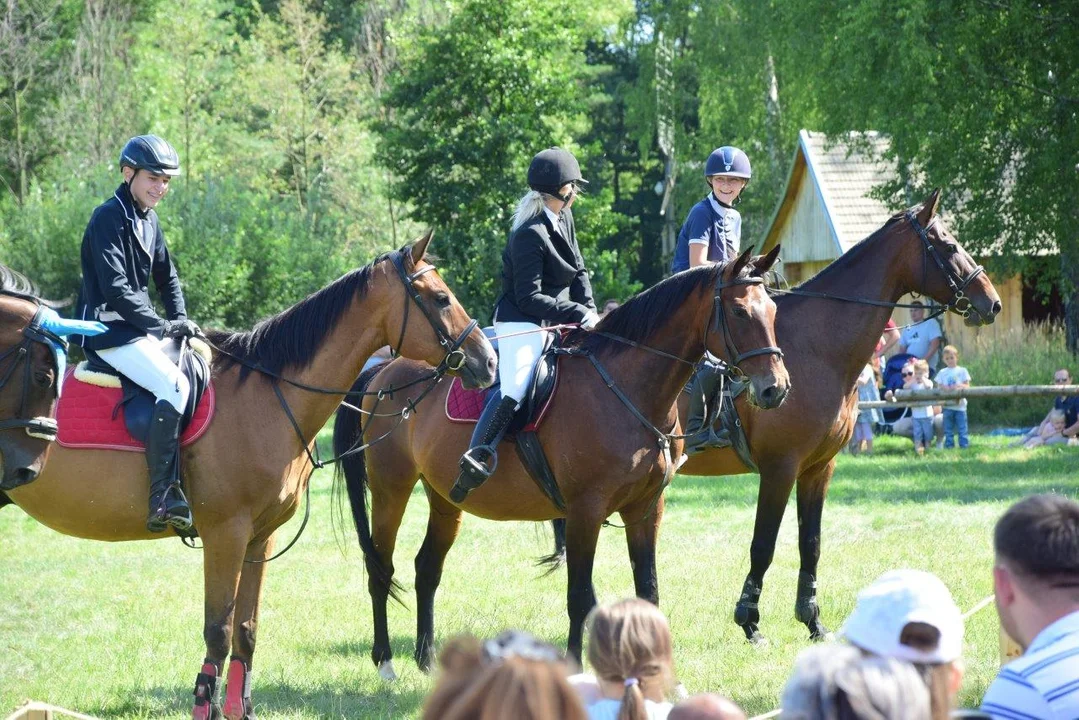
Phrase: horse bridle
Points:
(43, 428)
(455, 357)
(723, 326)
(960, 304)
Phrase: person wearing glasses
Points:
(544, 282)
(1067, 404)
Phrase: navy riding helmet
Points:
(150, 153)
(728, 161)
(551, 169)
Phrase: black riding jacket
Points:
(122, 249)
(544, 280)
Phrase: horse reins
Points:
(43, 428)
(959, 304)
(453, 360)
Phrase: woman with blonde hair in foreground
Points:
(511, 677)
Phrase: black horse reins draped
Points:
(43, 428)
(664, 439)
(454, 360)
(960, 304)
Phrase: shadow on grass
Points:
(281, 699)
(971, 477)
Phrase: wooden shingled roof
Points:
(841, 172)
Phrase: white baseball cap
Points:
(894, 600)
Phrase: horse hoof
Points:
(386, 671)
(758, 641)
(680, 692)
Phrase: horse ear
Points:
(764, 263)
(929, 208)
(741, 262)
(419, 247)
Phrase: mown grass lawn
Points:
(116, 630)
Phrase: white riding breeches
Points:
(147, 365)
(517, 356)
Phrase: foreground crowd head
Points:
(629, 643)
(511, 676)
(1036, 577)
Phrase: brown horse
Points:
(828, 329)
(605, 458)
(28, 377)
(245, 476)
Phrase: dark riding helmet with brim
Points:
(553, 168)
(728, 161)
(150, 153)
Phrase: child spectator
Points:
(863, 428)
(1051, 432)
(707, 706)
(954, 377)
(631, 652)
(921, 417)
(511, 676)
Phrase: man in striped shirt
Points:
(1036, 580)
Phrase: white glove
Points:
(590, 320)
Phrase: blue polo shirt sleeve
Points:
(698, 226)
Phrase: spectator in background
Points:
(910, 615)
(954, 377)
(707, 706)
(511, 676)
(922, 338)
(631, 652)
(1068, 404)
(921, 417)
(1049, 433)
(836, 682)
(888, 340)
(862, 441)
(1036, 585)
(608, 306)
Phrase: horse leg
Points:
(812, 487)
(642, 531)
(223, 555)
(388, 504)
(582, 534)
(238, 694)
(443, 524)
(775, 488)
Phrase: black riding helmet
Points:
(551, 169)
(150, 153)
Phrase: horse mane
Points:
(15, 283)
(863, 246)
(645, 313)
(293, 336)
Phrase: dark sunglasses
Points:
(906, 374)
(1060, 379)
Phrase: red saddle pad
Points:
(465, 406)
(84, 415)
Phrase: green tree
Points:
(474, 99)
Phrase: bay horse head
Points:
(948, 274)
(442, 333)
(742, 328)
(29, 386)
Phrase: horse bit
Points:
(44, 428)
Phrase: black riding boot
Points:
(480, 460)
(699, 428)
(168, 506)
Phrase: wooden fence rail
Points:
(950, 396)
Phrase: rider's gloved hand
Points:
(590, 320)
(180, 329)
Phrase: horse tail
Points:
(553, 562)
(347, 432)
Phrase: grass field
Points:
(115, 630)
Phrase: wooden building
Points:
(825, 209)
